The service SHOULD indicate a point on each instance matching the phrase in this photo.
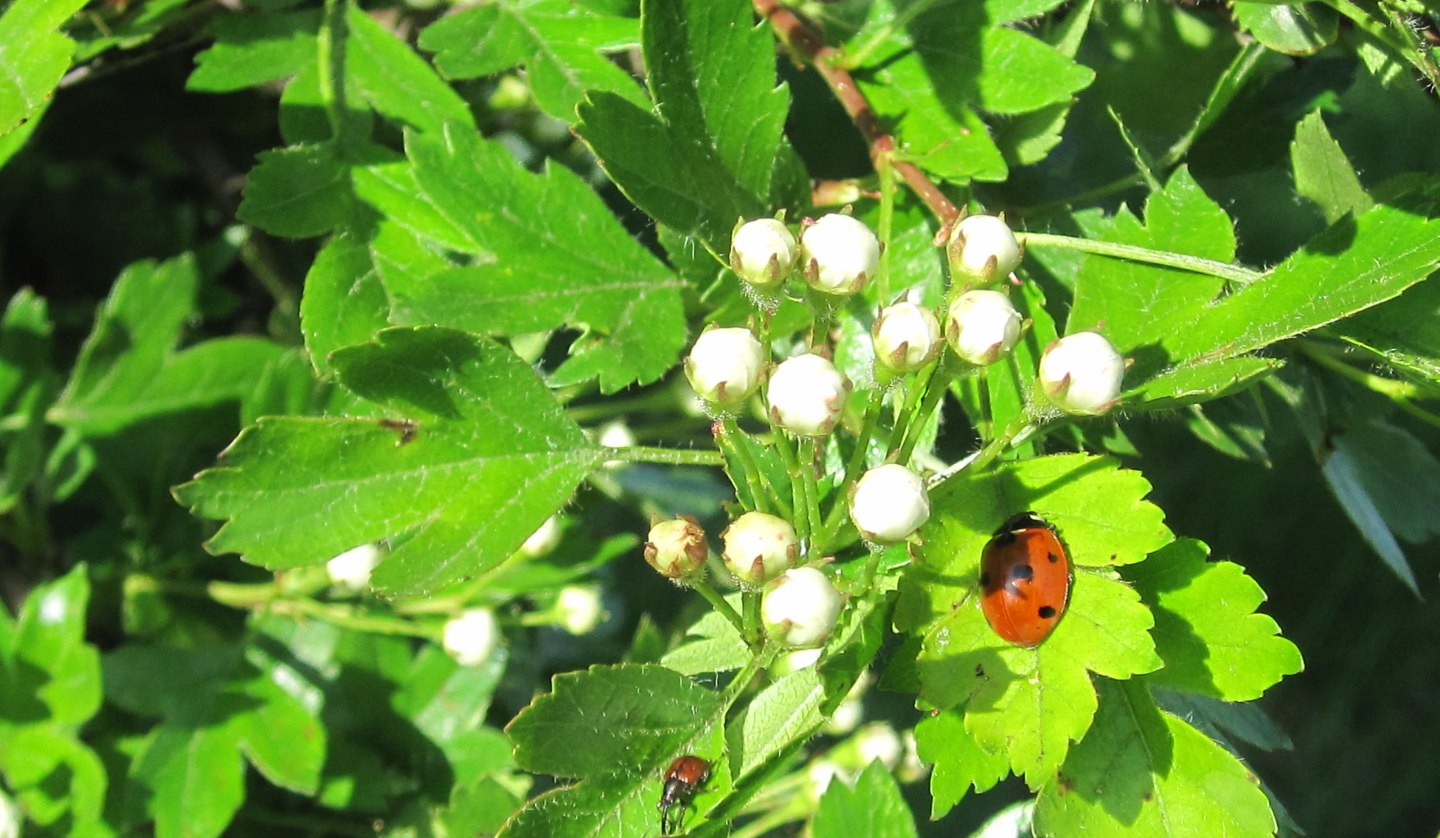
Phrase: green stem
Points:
(852, 471)
(1130, 252)
(331, 53)
(986, 425)
(758, 661)
(809, 483)
(732, 440)
(750, 627)
(702, 587)
(934, 391)
(797, 484)
(668, 456)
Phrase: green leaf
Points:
(1322, 171)
(478, 456)
(785, 712)
(1357, 468)
(1243, 720)
(960, 764)
(633, 722)
(1028, 138)
(217, 712)
(718, 647)
(874, 808)
(1029, 704)
(1291, 28)
(53, 775)
(1141, 771)
(344, 303)
(298, 192)
(1199, 382)
(50, 673)
(128, 369)
(631, 718)
(253, 49)
(1206, 628)
(552, 256)
(1355, 264)
(1137, 305)
(386, 73)
(1403, 332)
(561, 46)
(705, 157)
(193, 779)
(26, 386)
(945, 138)
(33, 57)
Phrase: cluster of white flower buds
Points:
(806, 395)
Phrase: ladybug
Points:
(1024, 580)
(684, 777)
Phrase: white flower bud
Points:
(579, 608)
(907, 337)
(472, 637)
(351, 569)
(676, 548)
(11, 817)
(838, 254)
(983, 247)
(982, 326)
(800, 608)
(543, 540)
(762, 252)
(889, 503)
(879, 741)
(759, 547)
(807, 395)
(1081, 373)
(725, 366)
(616, 434)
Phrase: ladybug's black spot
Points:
(1004, 537)
(1046, 612)
(1052, 557)
(1022, 573)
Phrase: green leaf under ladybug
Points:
(1028, 704)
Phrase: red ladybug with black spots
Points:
(1024, 580)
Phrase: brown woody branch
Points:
(803, 38)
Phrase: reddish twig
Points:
(806, 41)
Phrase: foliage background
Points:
(128, 164)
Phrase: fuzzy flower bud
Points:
(907, 337)
(800, 608)
(762, 252)
(579, 608)
(676, 548)
(807, 395)
(1081, 373)
(838, 254)
(759, 547)
(543, 540)
(725, 366)
(983, 247)
(351, 569)
(982, 326)
(472, 637)
(889, 503)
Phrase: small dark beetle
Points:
(684, 777)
